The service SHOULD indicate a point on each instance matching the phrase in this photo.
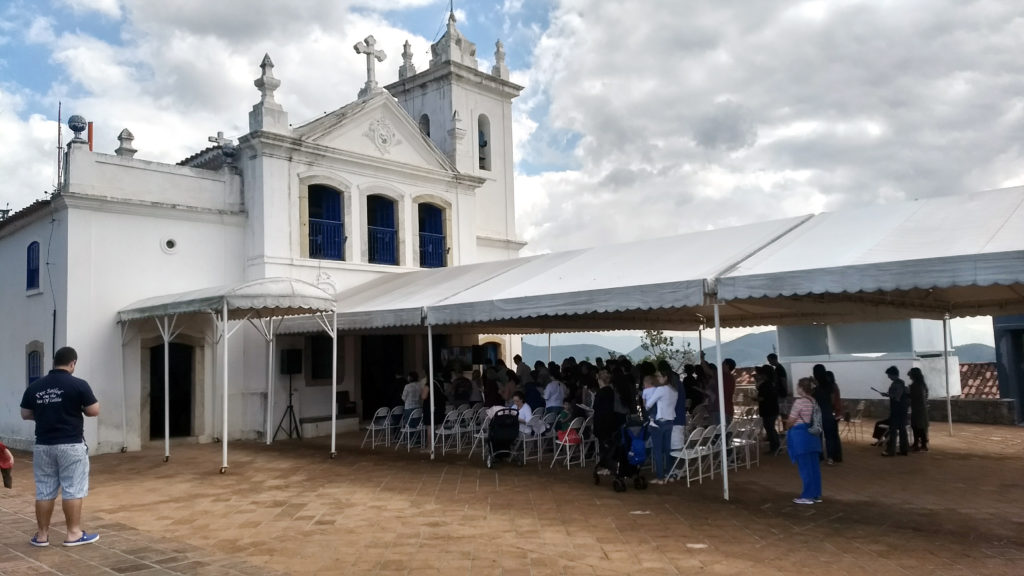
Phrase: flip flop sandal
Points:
(35, 541)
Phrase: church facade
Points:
(414, 175)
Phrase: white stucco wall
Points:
(857, 375)
(28, 315)
(117, 259)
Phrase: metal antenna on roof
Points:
(444, 20)
(60, 151)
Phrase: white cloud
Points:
(630, 126)
(40, 31)
(109, 8)
(28, 150)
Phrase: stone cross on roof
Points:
(220, 140)
(368, 47)
(227, 146)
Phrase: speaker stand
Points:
(293, 430)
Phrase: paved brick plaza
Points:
(288, 509)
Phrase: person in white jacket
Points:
(553, 393)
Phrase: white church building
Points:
(417, 174)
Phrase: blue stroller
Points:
(628, 453)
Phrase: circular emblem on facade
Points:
(382, 134)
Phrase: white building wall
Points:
(856, 376)
(208, 252)
(28, 315)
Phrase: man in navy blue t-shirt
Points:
(57, 402)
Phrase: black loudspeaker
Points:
(291, 361)
(479, 354)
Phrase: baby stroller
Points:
(628, 454)
(503, 437)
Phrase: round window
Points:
(169, 245)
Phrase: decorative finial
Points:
(499, 69)
(125, 150)
(266, 83)
(407, 68)
(368, 47)
(267, 115)
(78, 124)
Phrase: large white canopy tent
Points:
(261, 302)
(934, 258)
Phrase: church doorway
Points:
(181, 382)
(382, 375)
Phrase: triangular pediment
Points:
(376, 126)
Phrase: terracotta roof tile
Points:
(979, 380)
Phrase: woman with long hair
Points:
(660, 400)
(826, 394)
(803, 446)
(918, 409)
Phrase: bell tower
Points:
(467, 114)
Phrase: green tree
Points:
(660, 347)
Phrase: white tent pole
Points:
(549, 347)
(166, 332)
(700, 338)
(334, 386)
(270, 381)
(945, 358)
(721, 405)
(224, 423)
(430, 384)
(124, 393)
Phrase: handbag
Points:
(815, 426)
(573, 437)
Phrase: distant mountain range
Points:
(749, 350)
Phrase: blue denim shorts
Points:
(61, 466)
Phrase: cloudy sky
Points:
(640, 118)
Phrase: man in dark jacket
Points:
(898, 402)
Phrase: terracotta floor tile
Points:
(287, 509)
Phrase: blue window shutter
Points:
(32, 267)
(326, 228)
(35, 366)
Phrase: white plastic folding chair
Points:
(378, 426)
(465, 427)
(411, 430)
(448, 432)
(589, 441)
(570, 442)
(395, 422)
(534, 438)
(690, 456)
(548, 437)
(853, 425)
(706, 447)
(741, 444)
(480, 436)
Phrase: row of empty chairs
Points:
(701, 454)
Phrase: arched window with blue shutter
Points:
(326, 226)
(34, 366)
(433, 248)
(483, 141)
(32, 267)
(381, 234)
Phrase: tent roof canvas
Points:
(267, 297)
